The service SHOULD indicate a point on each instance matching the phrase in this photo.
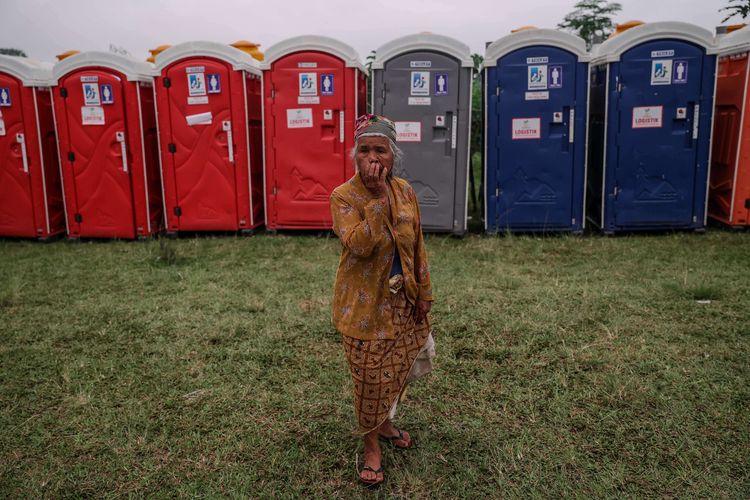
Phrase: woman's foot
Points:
(400, 439)
(372, 471)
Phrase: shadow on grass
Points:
(166, 255)
(701, 291)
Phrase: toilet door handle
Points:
(341, 126)
(696, 119)
(20, 139)
(226, 126)
(120, 136)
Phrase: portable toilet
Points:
(535, 105)
(652, 90)
(210, 131)
(423, 83)
(106, 129)
(313, 90)
(729, 191)
(30, 195)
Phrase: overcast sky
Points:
(45, 28)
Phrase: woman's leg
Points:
(372, 457)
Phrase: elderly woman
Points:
(382, 293)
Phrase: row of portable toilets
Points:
(209, 139)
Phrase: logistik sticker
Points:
(647, 116)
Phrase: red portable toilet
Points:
(106, 130)
(729, 189)
(30, 196)
(210, 132)
(313, 90)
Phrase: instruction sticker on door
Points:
(537, 77)
(299, 118)
(526, 128)
(408, 131)
(91, 94)
(537, 96)
(198, 100)
(196, 84)
(199, 119)
(92, 115)
(661, 72)
(308, 99)
(420, 83)
(2, 126)
(647, 117)
(420, 101)
(308, 84)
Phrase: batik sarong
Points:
(380, 368)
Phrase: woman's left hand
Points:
(421, 308)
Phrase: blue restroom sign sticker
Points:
(5, 97)
(555, 77)
(326, 84)
(106, 93)
(441, 84)
(680, 72)
(214, 83)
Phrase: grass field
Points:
(208, 367)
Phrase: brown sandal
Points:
(393, 439)
(374, 482)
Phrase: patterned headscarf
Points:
(369, 125)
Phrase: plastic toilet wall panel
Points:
(109, 195)
(536, 183)
(596, 143)
(151, 156)
(200, 179)
(255, 130)
(433, 167)
(730, 144)
(659, 173)
(17, 217)
(305, 164)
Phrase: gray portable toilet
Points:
(423, 83)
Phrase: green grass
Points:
(208, 367)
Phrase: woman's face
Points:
(374, 149)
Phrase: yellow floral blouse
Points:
(362, 300)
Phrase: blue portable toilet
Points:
(535, 105)
(652, 91)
